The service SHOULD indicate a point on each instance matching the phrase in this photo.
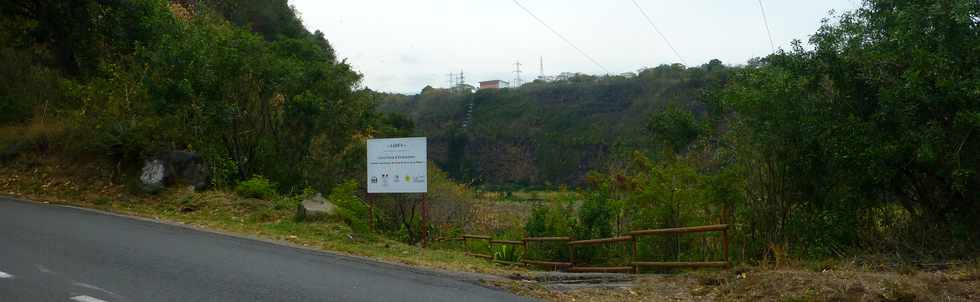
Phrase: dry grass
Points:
(520, 196)
(38, 130)
(490, 216)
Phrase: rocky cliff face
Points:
(548, 133)
(516, 162)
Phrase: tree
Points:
(905, 74)
(673, 127)
(881, 111)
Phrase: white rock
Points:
(153, 175)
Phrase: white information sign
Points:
(397, 165)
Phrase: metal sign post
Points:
(399, 165)
(425, 221)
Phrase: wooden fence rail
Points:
(545, 263)
(598, 269)
(632, 237)
(601, 240)
(723, 228)
(466, 246)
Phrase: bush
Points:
(257, 187)
(450, 210)
(553, 219)
(506, 253)
(596, 217)
(350, 207)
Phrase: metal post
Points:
(370, 205)
(425, 220)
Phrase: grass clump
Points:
(257, 187)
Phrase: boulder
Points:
(174, 167)
(315, 207)
(188, 168)
(153, 177)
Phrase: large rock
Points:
(315, 207)
(154, 175)
(174, 167)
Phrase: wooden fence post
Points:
(571, 254)
(524, 255)
(635, 253)
(724, 246)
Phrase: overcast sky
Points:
(401, 46)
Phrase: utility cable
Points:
(765, 21)
(662, 36)
(587, 56)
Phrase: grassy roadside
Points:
(58, 181)
(96, 184)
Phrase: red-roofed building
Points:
(494, 84)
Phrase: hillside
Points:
(226, 80)
(551, 133)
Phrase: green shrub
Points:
(257, 187)
(596, 217)
(350, 207)
(553, 219)
(506, 252)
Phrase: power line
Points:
(562, 37)
(649, 20)
(765, 21)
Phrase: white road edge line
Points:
(84, 298)
(93, 287)
(5, 275)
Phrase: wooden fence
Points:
(632, 238)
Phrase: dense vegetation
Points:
(240, 82)
(869, 135)
(863, 141)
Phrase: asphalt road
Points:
(55, 253)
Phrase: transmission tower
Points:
(517, 80)
(541, 70)
(462, 78)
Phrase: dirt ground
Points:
(956, 284)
